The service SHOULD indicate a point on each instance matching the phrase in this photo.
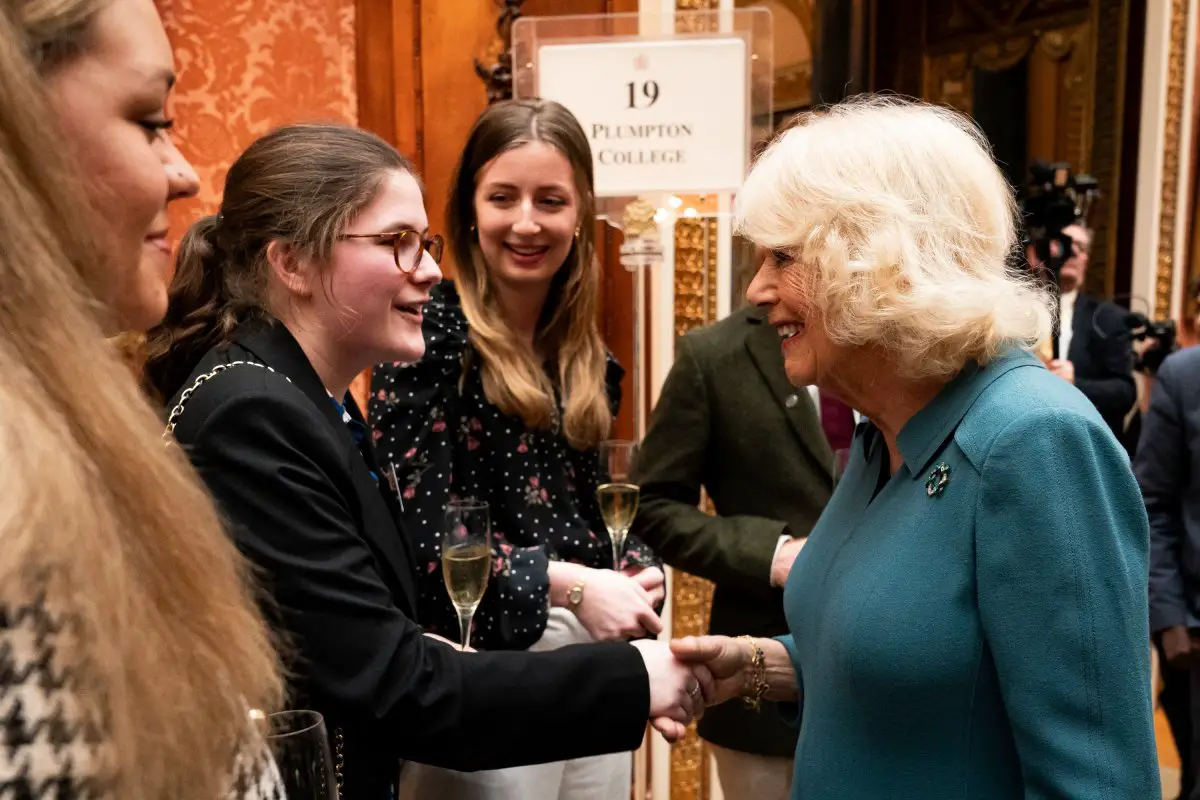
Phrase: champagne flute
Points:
(300, 745)
(466, 559)
(618, 498)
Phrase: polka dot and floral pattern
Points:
(438, 442)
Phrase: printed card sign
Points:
(659, 115)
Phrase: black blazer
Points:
(303, 504)
(1102, 353)
(1167, 466)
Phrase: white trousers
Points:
(606, 777)
(752, 777)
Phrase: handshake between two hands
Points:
(689, 675)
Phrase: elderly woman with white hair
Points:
(969, 617)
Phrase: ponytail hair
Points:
(300, 184)
(207, 302)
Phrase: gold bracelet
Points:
(756, 682)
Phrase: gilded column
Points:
(1164, 155)
(695, 306)
(1169, 209)
(691, 597)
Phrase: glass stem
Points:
(618, 540)
(464, 625)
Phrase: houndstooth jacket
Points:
(50, 751)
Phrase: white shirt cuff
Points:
(782, 540)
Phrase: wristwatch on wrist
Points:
(575, 596)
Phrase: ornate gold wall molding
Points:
(497, 73)
(691, 597)
(695, 306)
(1072, 48)
(949, 79)
(691, 275)
(1172, 135)
(698, 23)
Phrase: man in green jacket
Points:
(729, 422)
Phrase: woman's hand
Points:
(652, 580)
(677, 691)
(1177, 646)
(727, 660)
(730, 664)
(614, 606)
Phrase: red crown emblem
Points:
(641, 62)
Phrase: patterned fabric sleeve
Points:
(414, 440)
(50, 747)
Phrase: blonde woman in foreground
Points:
(132, 645)
(969, 616)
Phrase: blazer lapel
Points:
(1082, 319)
(763, 343)
(387, 481)
(274, 345)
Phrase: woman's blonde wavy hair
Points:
(513, 379)
(98, 518)
(907, 227)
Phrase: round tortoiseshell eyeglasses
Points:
(408, 247)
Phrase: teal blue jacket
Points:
(979, 630)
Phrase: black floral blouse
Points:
(437, 444)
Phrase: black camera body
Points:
(1163, 335)
(1053, 199)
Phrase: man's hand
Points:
(1063, 369)
(1177, 646)
(782, 564)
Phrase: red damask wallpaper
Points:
(247, 66)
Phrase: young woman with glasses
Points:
(320, 264)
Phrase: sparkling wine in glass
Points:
(300, 745)
(618, 498)
(466, 559)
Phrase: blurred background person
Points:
(1167, 465)
(1095, 352)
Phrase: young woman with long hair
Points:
(509, 405)
(320, 264)
(132, 644)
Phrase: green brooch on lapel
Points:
(935, 484)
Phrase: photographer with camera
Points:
(1164, 465)
(1091, 347)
